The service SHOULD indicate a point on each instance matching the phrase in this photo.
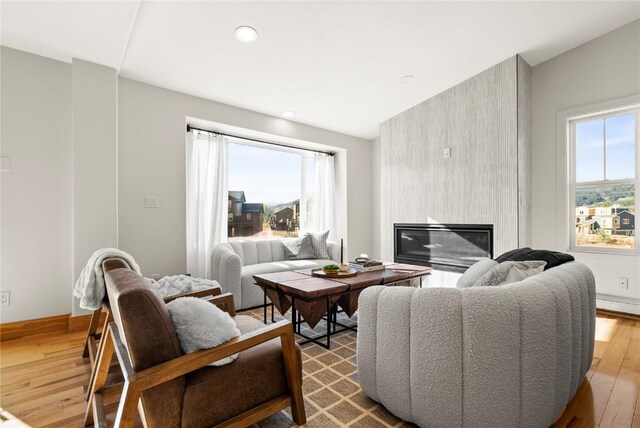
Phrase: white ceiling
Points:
(336, 64)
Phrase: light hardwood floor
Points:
(42, 379)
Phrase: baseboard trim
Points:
(48, 325)
(617, 306)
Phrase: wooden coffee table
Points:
(313, 298)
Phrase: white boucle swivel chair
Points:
(235, 262)
(506, 356)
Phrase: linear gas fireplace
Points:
(451, 247)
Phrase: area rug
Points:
(332, 395)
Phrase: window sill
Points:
(609, 252)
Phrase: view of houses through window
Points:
(266, 187)
(606, 180)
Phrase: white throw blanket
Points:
(178, 284)
(90, 287)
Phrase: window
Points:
(271, 183)
(604, 179)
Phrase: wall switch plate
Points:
(4, 298)
(623, 282)
(446, 152)
(151, 202)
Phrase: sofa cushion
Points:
(319, 244)
(300, 248)
(475, 272)
(252, 295)
(201, 325)
(510, 272)
(553, 258)
(253, 251)
(215, 394)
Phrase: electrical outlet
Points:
(623, 282)
(4, 298)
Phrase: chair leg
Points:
(128, 406)
(93, 327)
(294, 377)
(99, 376)
(105, 327)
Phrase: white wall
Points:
(35, 264)
(151, 159)
(60, 202)
(94, 129)
(603, 69)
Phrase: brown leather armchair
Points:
(175, 390)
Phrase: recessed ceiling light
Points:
(246, 34)
(405, 80)
(288, 114)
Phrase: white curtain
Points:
(206, 199)
(323, 217)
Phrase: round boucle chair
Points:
(505, 356)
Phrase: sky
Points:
(265, 175)
(620, 148)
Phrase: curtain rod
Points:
(189, 128)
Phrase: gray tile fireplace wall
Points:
(485, 123)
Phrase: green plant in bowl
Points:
(331, 268)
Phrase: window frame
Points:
(304, 154)
(570, 121)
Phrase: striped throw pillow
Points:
(319, 244)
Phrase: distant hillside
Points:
(278, 207)
(621, 194)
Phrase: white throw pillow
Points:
(509, 272)
(199, 324)
(475, 272)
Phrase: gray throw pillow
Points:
(319, 244)
(510, 272)
(475, 272)
(299, 248)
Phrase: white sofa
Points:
(235, 262)
(505, 356)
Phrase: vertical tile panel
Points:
(524, 151)
(478, 120)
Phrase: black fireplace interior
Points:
(449, 247)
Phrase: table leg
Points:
(329, 316)
(265, 304)
(294, 316)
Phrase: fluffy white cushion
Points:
(509, 272)
(200, 325)
(475, 272)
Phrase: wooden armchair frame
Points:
(91, 346)
(93, 342)
(137, 382)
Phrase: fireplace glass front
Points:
(451, 247)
